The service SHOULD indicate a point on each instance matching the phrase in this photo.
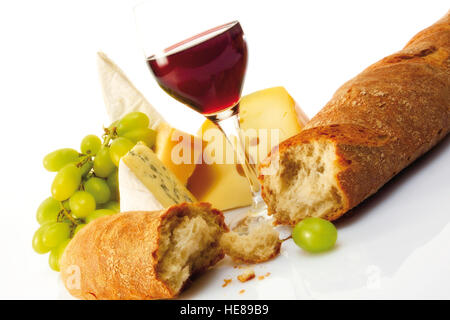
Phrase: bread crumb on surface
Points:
(264, 276)
(226, 282)
(242, 291)
(247, 275)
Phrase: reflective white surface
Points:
(394, 245)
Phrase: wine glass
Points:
(205, 71)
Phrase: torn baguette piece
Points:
(253, 241)
(374, 126)
(143, 255)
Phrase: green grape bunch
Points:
(86, 185)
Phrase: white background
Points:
(51, 98)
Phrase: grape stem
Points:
(109, 134)
(283, 240)
(67, 214)
(87, 158)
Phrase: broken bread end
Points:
(143, 255)
(255, 241)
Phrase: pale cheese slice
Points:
(146, 184)
(120, 95)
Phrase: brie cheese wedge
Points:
(120, 95)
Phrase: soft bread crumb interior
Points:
(188, 243)
(254, 242)
(305, 184)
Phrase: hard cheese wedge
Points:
(178, 151)
(268, 117)
(224, 185)
(146, 184)
(272, 108)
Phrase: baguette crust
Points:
(383, 119)
(117, 256)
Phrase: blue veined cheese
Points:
(146, 184)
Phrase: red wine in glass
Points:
(205, 72)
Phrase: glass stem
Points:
(228, 123)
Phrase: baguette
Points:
(143, 255)
(375, 125)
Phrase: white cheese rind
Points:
(145, 183)
(120, 95)
(134, 195)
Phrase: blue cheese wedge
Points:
(146, 184)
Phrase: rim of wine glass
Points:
(171, 49)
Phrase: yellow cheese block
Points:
(225, 185)
(178, 151)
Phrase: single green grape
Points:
(90, 144)
(314, 234)
(99, 189)
(48, 210)
(66, 182)
(62, 247)
(113, 183)
(78, 228)
(56, 160)
(146, 135)
(131, 121)
(103, 165)
(112, 205)
(55, 255)
(55, 234)
(82, 203)
(120, 147)
(37, 242)
(99, 213)
(53, 260)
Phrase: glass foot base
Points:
(243, 215)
